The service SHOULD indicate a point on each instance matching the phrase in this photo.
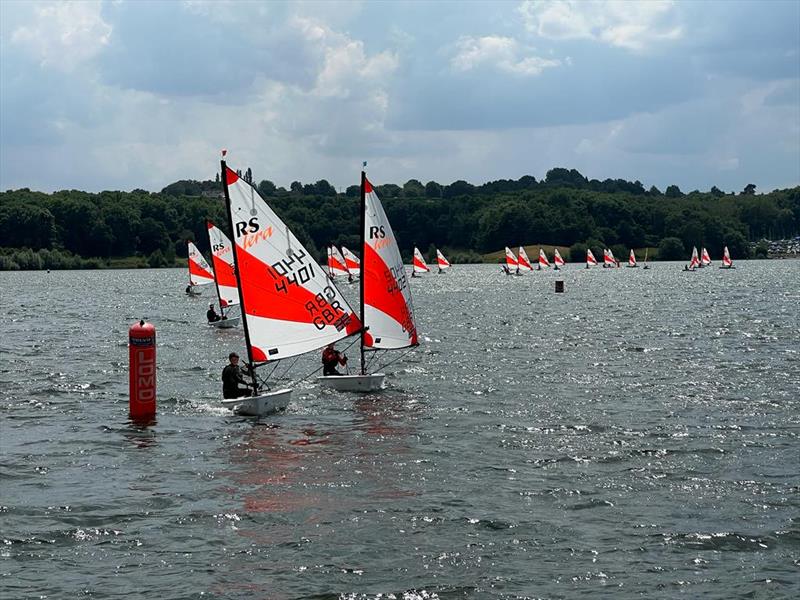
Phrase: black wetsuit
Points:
(231, 378)
(212, 315)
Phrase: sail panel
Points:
(511, 260)
(523, 260)
(419, 264)
(351, 262)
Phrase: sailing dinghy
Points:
(558, 262)
(511, 262)
(727, 263)
(224, 275)
(632, 260)
(523, 262)
(385, 304)
(609, 262)
(441, 261)
(419, 265)
(543, 262)
(591, 261)
(705, 259)
(289, 304)
(694, 262)
(199, 272)
(336, 263)
(352, 263)
(646, 266)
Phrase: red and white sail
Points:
(336, 263)
(388, 311)
(351, 262)
(441, 261)
(557, 260)
(632, 259)
(199, 270)
(289, 304)
(511, 260)
(695, 260)
(705, 259)
(608, 258)
(726, 258)
(523, 260)
(419, 262)
(543, 262)
(224, 267)
(590, 259)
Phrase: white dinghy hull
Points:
(225, 323)
(258, 406)
(354, 383)
(194, 290)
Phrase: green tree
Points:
(671, 248)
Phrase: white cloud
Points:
(633, 25)
(64, 34)
(502, 53)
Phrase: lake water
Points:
(636, 436)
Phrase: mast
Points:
(250, 366)
(363, 254)
(213, 269)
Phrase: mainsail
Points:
(511, 260)
(543, 262)
(441, 261)
(419, 261)
(705, 259)
(726, 258)
(608, 258)
(351, 262)
(199, 270)
(336, 263)
(694, 262)
(632, 259)
(590, 259)
(523, 260)
(557, 260)
(387, 310)
(289, 305)
(224, 267)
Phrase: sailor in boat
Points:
(331, 358)
(189, 289)
(211, 314)
(232, 377)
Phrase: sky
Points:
(119, 95)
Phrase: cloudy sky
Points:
(134, 94)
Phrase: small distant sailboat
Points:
(632, 260)
(523, 262)
(289, 304)
(591, 261)
(336, 263)
(512, 263)
(727, 263)
(558, 262)
(646, 266)
(543, 262)
(705, 259)
(386, 310)
(441, 261)
(224, 275)
(199, 271)
(694, 261)
(609, 262)
(352, 263)
(419, 265)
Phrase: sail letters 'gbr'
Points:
(325, 309)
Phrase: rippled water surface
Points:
(636, 436)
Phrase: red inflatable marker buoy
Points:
(142, 347)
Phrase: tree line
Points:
(72, 229)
